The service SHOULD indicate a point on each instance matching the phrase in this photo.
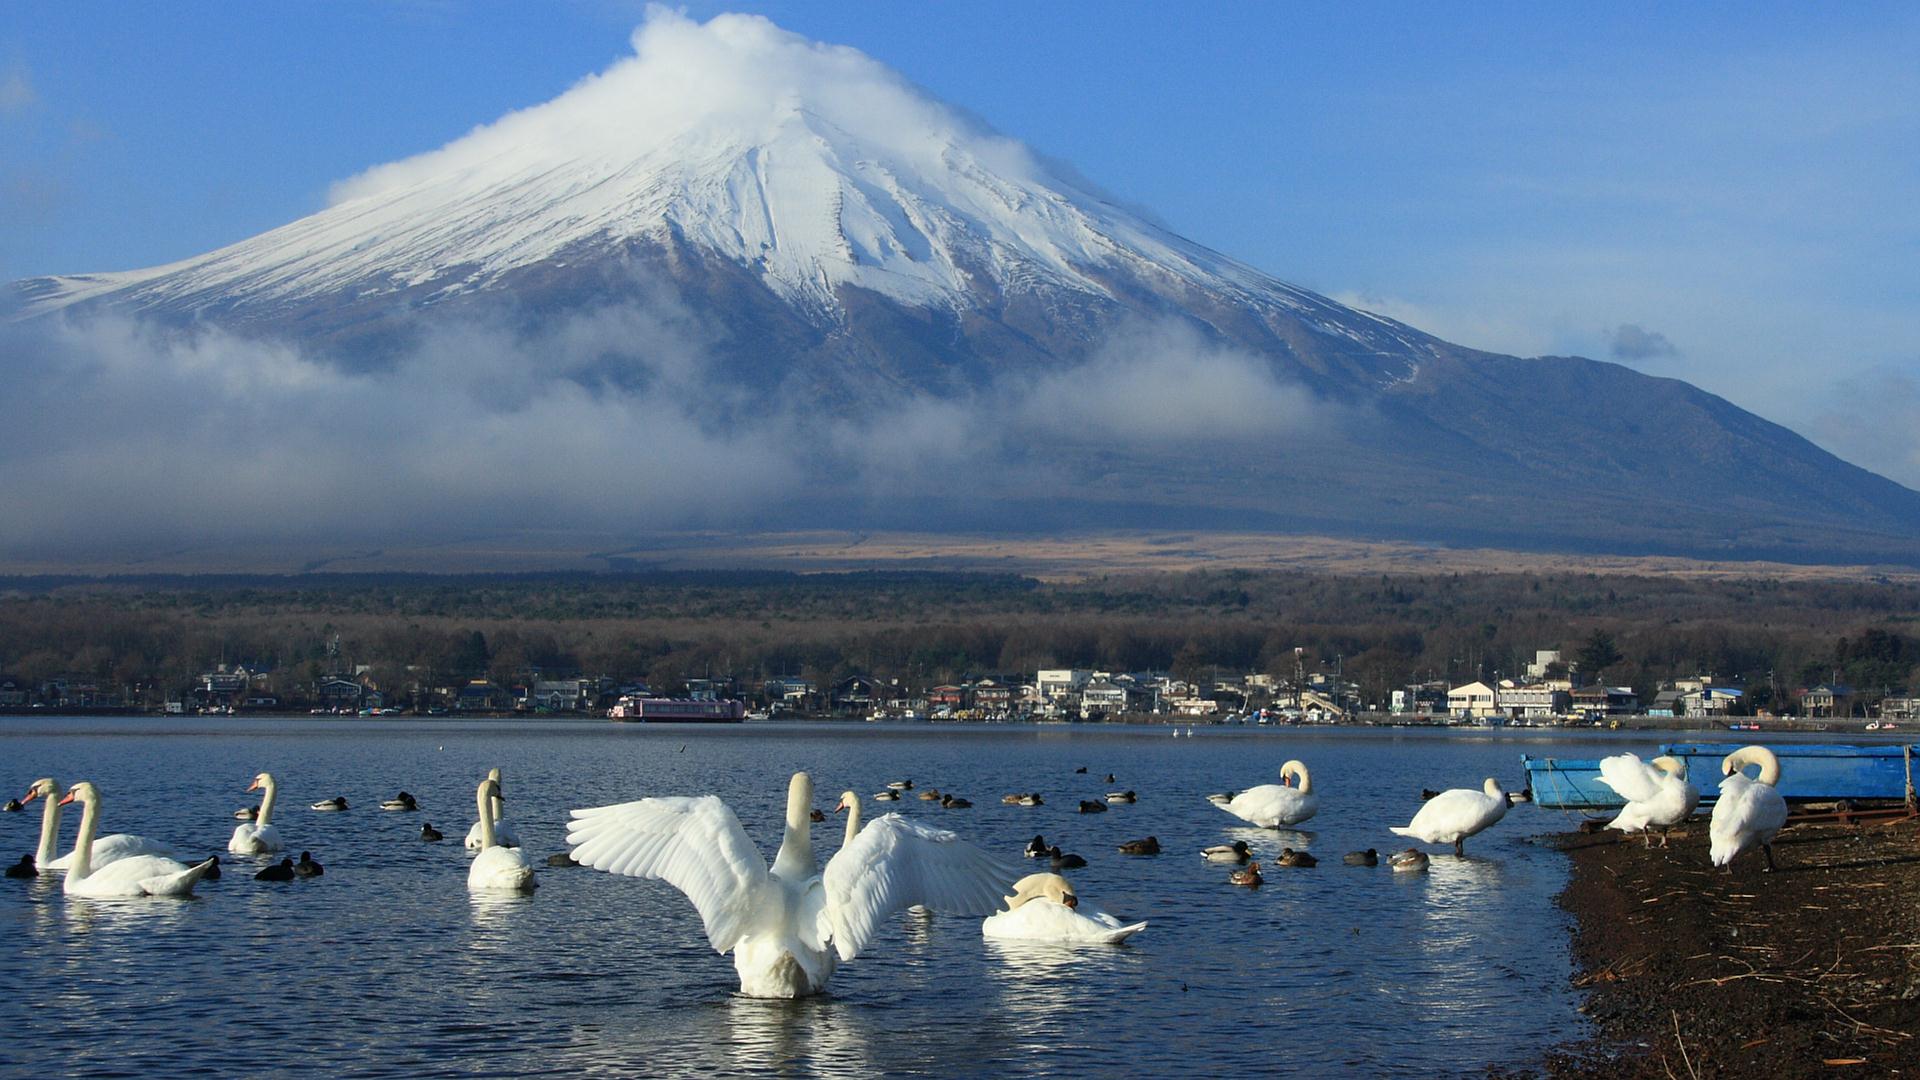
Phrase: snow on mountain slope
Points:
(816, 166)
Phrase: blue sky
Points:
(1734, 186)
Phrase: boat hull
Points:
(1808, 773)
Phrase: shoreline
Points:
(1690, 971)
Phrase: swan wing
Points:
(1634, 780)
(894, 864)
(695, 845)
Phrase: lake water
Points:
(386, 966)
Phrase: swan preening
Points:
(130, 875)
(106, 849)
(1044, 909)
(1657, 793)
(1452, 816)
(788, 925)
(497, 867)
(1748, 812)
(1275, 806)
(503, 833)
(258, 837)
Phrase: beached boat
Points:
(1809, 772)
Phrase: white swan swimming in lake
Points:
(107, 849)
(258, 837)
(130, 875)
(1748, 812)
(1276, 806)
(1044, 908)
(503, 833)
(1453, 815)
(787, 926)
(496, 867)
(1658, 793)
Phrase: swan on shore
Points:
(1045, 909)
(1275, 806)
(503, 833)
(130, 875)
(496, 868)
(106, 849)
(1749, 812)
(1657, 793)
(788, 925)
(1453, 815)
(258, 837)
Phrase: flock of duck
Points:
(790, 923)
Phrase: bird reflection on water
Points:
(807, 1036)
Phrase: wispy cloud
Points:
(1631, 342)
(16, 91)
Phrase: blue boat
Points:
(1809, 772)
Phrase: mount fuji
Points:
(782, 256)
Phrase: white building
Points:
(1054, 685)
(1476, 700)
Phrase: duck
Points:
(1277, 806)
(1092, 806)
(930, 795)
(561, 859)
(1036, 847)
(1248, 875)
(1064, 860)
(258, 836)
(1290, 857)
(1410, 861)
(497, 868)
(1149, 846)
(952, 803)
(503, 833)
(306, 867)
(1427, 793)
(13, 806)
(1236, 852)
(1749, 812)
(280, 871)
(1010, 800)
(1222, 798)
(1032, 798)
(247, 813)
(1121, 797)
(886, 796)
(24, 868)
(402, 801)
(1453, 815)
(790, 924)
(213, 872)
(1657, 793)
(127, 876)
(900, 785)
(430, 834)
(338, 802)
(1368, 857)
(818, 815)
(1081, 769)
(1045, 908)
(1110, 779)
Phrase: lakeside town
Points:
(1551, 691)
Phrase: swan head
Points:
(1670, 765)
(260, 781)
(46, 787)
(1042, 886)
(490, 787)
(1296, 772)
(848, 800)
(1753, 755)
(1493, 789)
(83, 792)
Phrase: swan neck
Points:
(49, 830)
(795, 861)
(484, 804)
(83, 847)
(853, 821)
(1305, 777)
(269, 791)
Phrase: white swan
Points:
(1275, 806)
(496, 867)
(1044, 908)
(1748, 812)
(258, 837)
(130, 875)
(107, 849)
(1657, 793)
(1453, 815)
(503, 833)
(788, 926)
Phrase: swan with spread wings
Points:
(788, 925)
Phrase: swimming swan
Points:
(1453, 815)
(788, 926)
(1043, 908)
(1657, 793)
(503, 833)
(1274, 806)
(130, 875)
(1748, 812)
(496, 867)
(107, 849)
(258, 837)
